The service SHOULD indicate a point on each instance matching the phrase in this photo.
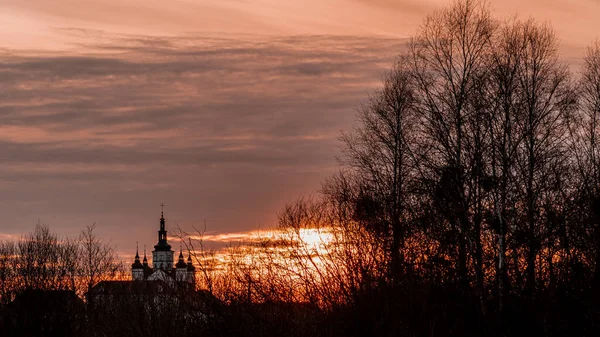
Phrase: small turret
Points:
(145, 258)
(181, 267)
(137, 269)
(191, 270)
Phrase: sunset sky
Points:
(222, 109)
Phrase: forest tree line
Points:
(468, 198)
(42, 260)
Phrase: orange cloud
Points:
(33, 23)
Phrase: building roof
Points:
(56, 297)
(128, 287)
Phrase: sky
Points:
(224, 110)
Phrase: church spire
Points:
(162, 217)
(190, 265)
(136, 263)
(180, 263)
(162, 244)
(162, 214)
(145, 259)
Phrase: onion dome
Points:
(145, 259)
(136, 264)
(190, 266)
(181, 263)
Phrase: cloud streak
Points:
(221, 129)
(109, 109)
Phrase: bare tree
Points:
(99, 262)
(586, 150)
(377, 157)
(449, 59)
(544, 103)
(46, 262)
(203, 257)
(9, 281)
(500, 93)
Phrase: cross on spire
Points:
(162, 233)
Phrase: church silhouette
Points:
(162, 267)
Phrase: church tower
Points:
(137, 269)
(162, 267)
(162, 255)
(181, 271)
(191, 270)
